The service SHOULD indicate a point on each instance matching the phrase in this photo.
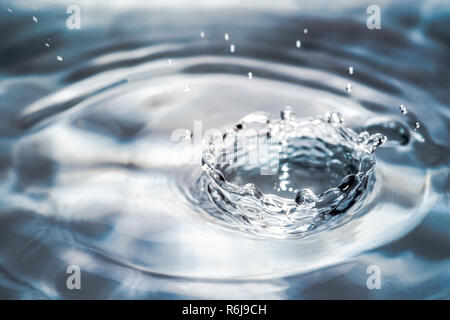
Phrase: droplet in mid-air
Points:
(298, 44)
(348, 87)
(202, 34)
(305, 31)
(35, 19)
(250, 75)
(227, 37)
(47, 44)
(232, 48)
(417, 125)
(9, 10)
(59, 58)
(403, 109)
(351, 70)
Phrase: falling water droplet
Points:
(232, 48)
(227, 37)
(59, 58)
(47, 45)
(417, 125)
(305, 31)
(250, 75)
(350, 70)
(186, 88)
(298, 44)
(348, 87)
(9, 10)
(287, 113)
(403, 109)
(202, 34)
(35, 19)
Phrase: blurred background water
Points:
(90, 176)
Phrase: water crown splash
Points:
(285, 177)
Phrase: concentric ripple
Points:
(91, 176)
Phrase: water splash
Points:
(332, 160)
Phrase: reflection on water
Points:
(90, 175)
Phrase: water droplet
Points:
(35, 19)
(9, 10)
(417, 125)
(306, 198)
(298, 44)
(374, 141)
(47, 45)
(250, 76)
(287, 113)
(348, 87)
(169, 62)
(305, 31)
(59, 58)
(251, 188)
(350, 70)
(202, 34)
(255, 120)
(227, 37)
(403, 109)
(334, 117)
(186, 88)
(232, 48)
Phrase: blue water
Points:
(91, 177)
